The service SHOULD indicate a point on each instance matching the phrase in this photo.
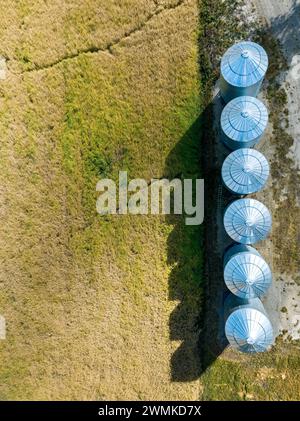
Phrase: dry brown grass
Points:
(36, 34)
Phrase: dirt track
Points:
(283, 18)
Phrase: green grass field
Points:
(93, 89)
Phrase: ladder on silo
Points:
(220, 197)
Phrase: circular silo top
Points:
(244, 64)
(244, 119)
(249, 330)
(247, 221)
(245, 171)
(247, 275)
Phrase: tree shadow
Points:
(196, 253)
(185, 245)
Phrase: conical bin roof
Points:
(244, 119)
(247, 275)
(247, 221)
(245, 171)
(249, 330)
(244, 64)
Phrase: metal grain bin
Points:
(247, 221)
(243, 67)
(247, 327)
(243, 122)
(246, 274)
(245, 171)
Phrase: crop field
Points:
(96, 307)
(109, 307)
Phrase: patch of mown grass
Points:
(224, 380)
(255, 377)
